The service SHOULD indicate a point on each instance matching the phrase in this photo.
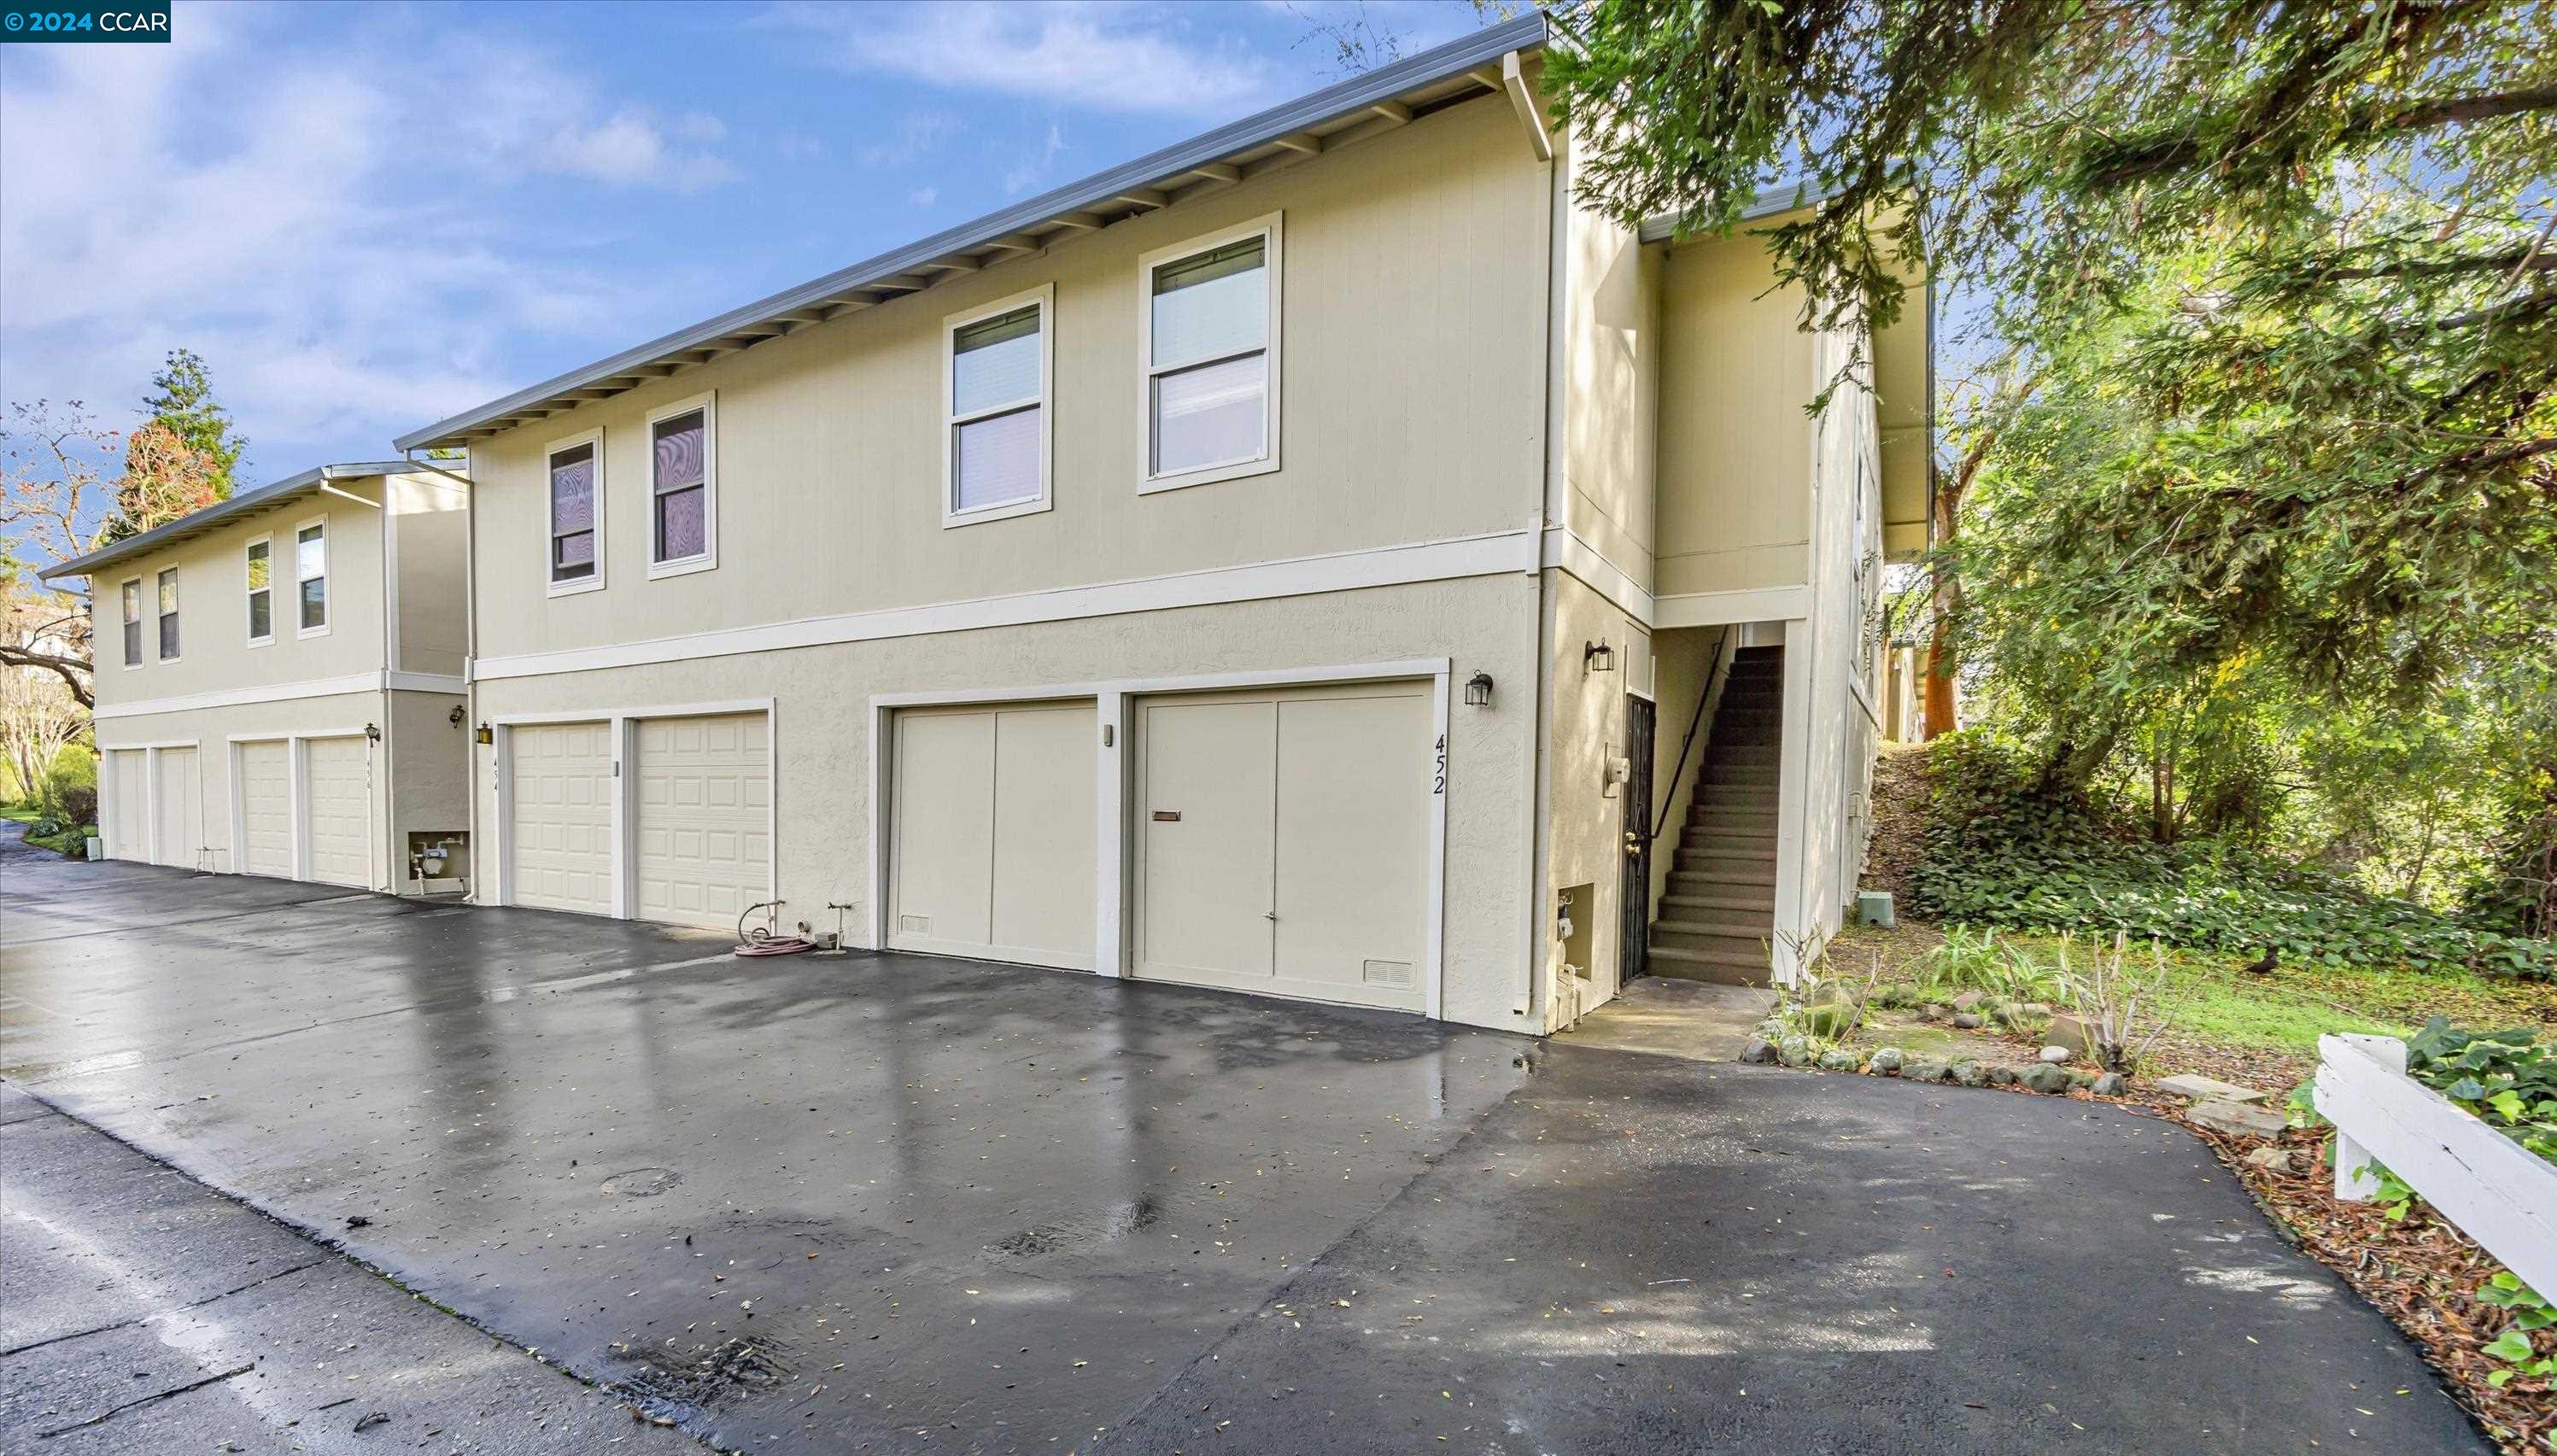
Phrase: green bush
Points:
(2509, 1079)
(2004, 850)
(69, 790)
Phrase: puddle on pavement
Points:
(1066, 1235)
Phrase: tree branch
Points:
(69, 669)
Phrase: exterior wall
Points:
(1838, 664)
(430, 534)
(1585, 814)
(213, 607)
(430, 783)
(1610, 369)
(824, 775)
(1735, 446)
(210, 731)
(1411, 326)
(1683, 660)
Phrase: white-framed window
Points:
(1207, 345)
(682, 488)
(575, 492)
(133, 622)
(168, 591)
(261, 591)
(311, 578)
(996, 450)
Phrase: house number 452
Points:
(1438, 783)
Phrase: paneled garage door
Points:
(559, 844)
(1283, 841)
(178, 798)
(266, 809)
(705, 819)
(993, 830)
(131, 786)
(336, 808)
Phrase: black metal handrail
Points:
(1652, 831)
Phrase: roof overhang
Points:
(1282, 136)
(236, 508)
(1773, 200)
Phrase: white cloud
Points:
(1038, 164)
(633, 150)
(916, 135)
(1110, 57)
(924, 196)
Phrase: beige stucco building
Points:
(279, 682)
(1319, 559)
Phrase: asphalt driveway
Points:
(895, 1203)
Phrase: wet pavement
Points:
(894, 1203)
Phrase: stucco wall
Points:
(431, 761)
(823, 718)
(1734, 444)
(212, 603)
(1611, 351)
(210, 731)
(1585, 817)
(429, 537)
(1412, 331)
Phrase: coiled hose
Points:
(760, 941)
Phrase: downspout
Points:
(1538, 912)
(469, 660)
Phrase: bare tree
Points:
(38, 715)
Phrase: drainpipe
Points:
(1539, 910)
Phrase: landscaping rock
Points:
(1967, 1022)
(1926, 1069)
(1971, 1074)
(2235, 1117)
(1838, 1059)
(2079, 1077)
(2112, 1083)
(1830, 1018)
(1969, 1001)
(2208, 1089)
(2057, 1056)
(1758, 1049)
(1794, 1052)
(2044, 1077)
(2274, 1160)
(2073, 1031)
(1885, 1059)
(2001, 1076)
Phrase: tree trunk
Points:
(1941, 707)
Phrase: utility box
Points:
(1873, 907)
(439, 861)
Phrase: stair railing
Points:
(1677, 775)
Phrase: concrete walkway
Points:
(893, 1202)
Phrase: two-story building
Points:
(1284, 562)
(279, 682)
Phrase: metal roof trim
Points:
(247, 502)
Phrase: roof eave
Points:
(220, 513)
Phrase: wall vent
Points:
(1385, 973)
(918, 924)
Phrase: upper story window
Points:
(133, 622)
(310, 569)
(1208, 341)
(682, 489)
(169, 615)
(995, 456)
(576, 513)
(261, 591)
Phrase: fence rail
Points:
(2497, 1191)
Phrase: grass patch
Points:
(20, 812)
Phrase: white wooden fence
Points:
(2497, 1191)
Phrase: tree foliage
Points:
(184, 451)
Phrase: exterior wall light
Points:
(1597, 656)
(1478, 690)
(373, 732)
(484, 736)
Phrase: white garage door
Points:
(560, 844)
(705, 819)
(130, 785)
(266, 809)
(179, 799)
(1283, 841)
(336, 808)
(993, 830)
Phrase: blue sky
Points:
(366, 216)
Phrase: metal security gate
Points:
(1633, 931)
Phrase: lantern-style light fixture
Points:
(1598, 656)
(373, 732)
(1478, 690)
(484, 736)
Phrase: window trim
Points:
(708, 558)
(248, 591)
(1268, 227)
(550, 537)
(133, 662)
(176, 610)
(1044, 297)
(328, 579)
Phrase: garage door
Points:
(337, 806)
(1283, 841)
(131, 787)
(560, 844)
(705, 819)
(266, 809)
(990, 849)
(179, 799)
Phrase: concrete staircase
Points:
(1718, 913)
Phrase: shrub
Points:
(2006, 850)
(2509, 1079)
(78, 803)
